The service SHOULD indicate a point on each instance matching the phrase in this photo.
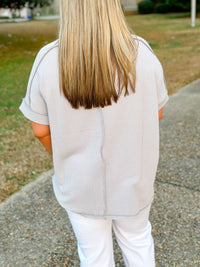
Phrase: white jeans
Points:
(95, 245)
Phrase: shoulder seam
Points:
(148, 46)
(38, 68)
(140, 39)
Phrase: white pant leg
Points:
(135, 240)
(94, 238)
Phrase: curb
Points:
(41, 179)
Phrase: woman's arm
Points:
(42, 132)
(160, 113)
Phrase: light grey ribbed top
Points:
(105, 159)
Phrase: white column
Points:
(193, 12)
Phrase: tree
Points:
(12, 5)
(32, 4)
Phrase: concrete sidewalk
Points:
(35, 230)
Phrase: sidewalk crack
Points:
(178, 185)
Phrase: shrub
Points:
(179, 6)
(146, 7)
(162, 8)
(198, 5)
(4, 17)
(158, 1)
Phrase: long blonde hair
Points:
(95, 44)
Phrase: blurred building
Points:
(6, 12)
(53, 9)
(128, 6)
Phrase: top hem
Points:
(112, 217)
(102, 215)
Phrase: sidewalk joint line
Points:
(178, 185)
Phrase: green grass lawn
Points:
(19, 150)
(22, 158)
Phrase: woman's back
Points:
(99, 154)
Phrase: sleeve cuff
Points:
(163, 102)
(32, 115)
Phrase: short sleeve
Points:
(33, 106)
(162, 93)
